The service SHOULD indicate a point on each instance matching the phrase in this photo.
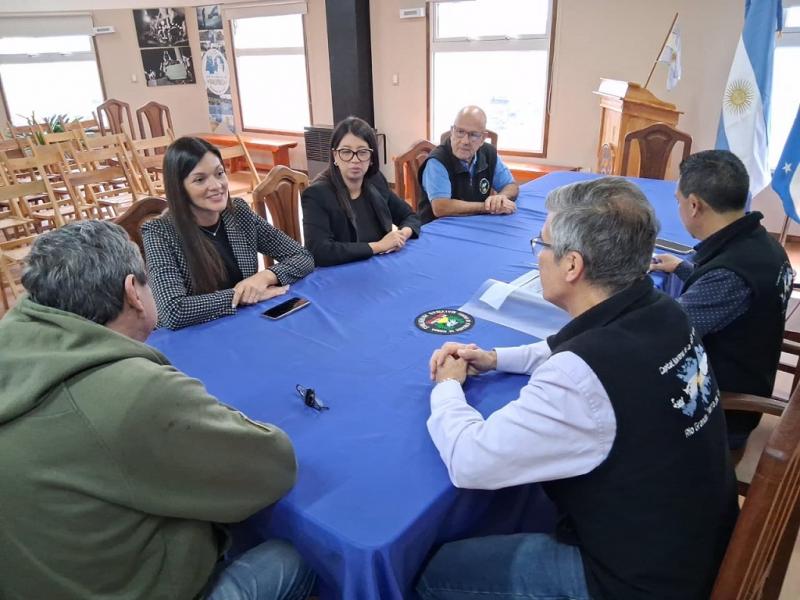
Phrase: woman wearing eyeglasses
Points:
(349, 211)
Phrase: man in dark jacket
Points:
(465, 175)
(620, 421)
(736, 286)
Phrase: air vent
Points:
(318, 148)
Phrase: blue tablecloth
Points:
(373, 497)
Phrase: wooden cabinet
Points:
(626, 107)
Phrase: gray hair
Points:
(81, 268)
(610, 223)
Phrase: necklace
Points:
(216, 229)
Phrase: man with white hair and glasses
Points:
(465, 175)
(620, 422)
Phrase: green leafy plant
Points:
(54, 124)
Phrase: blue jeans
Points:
(525, 565)
(272, 570)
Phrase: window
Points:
(785, 84)
(32, 68)
(271, 72)
(495, 54)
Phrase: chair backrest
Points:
(655, 145)
(760, 548)
(37, 187)
(11, 148)
(280, 194)
(489, 133)
(239, 150)
(406, 171)
(139, 212)
(159, 119)
(113, 115)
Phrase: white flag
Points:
(671, 54)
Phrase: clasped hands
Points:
(456, 361)
(257, 288)
(499, 204)
(392, 241)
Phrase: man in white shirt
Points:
(620, 421)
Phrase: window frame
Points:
(494, 43)
(270, 52)
(52, 57)
(789, 37)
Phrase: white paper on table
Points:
(497, 293)
(518, 305)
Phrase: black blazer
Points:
(332, 236)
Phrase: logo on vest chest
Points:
(483, 185)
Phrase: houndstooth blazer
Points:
(248, 234)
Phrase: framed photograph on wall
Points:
(168, 66)
(161, 27)
(164, 46)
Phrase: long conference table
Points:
(373, 498)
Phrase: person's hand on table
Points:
(452, 368)
(257, 288)
(392, 241)
(499, 204)
(477, 359)
(666, 263)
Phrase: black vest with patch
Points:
(463, 187)
(745, 354)
(653, 520)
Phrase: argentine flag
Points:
(745, 104)
(786, 181)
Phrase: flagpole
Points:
(674, 20)
(784, 231)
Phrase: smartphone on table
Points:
(286, 307)
(673, 246)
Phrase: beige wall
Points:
(120, 62)
(602, 38)
(606, 38)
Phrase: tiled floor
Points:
(791, 586)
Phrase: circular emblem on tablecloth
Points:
(444, 321)
(484, 186)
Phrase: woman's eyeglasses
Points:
(347, 155)
(537, 246)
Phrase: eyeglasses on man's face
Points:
(474, 136)
(347, 155)
(538, 245)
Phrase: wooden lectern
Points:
(626, 107)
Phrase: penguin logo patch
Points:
(483, 186)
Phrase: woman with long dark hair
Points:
(201, 255)
(349, 212)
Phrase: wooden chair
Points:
(242, 175)
(112, 117)
(148, 161)
(139, 212)
(11, 148)
(760, 548)
(406, 171)
(655, 145)
(55, 207)
(155, 114)
(14, 250)
(279, 194)
(100, 187)
(489, 133)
